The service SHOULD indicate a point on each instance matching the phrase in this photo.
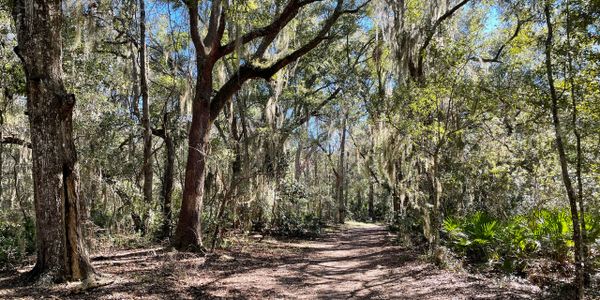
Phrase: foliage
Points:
(293, 225)
(17, 239)
(465, 150)
(293, 221)
(476, 236)
(553, 231)
(508, 244)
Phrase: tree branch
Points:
(496, 58)
(214, 25)
(248, 71)
(270, 31)
(15, 141)
(194, 31)
(329, 159)
(314, 112)
(429, 36)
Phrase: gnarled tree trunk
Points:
(61, 255)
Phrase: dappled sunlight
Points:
(357, 262)
(299, 149)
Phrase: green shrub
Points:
(17, 239)
(292, 225)
(592, 226)
(508, 244)
(408, 226)
(516, 244)
(475, 237)
(290, 221)
(553, 230)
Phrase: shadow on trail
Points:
(358, 263)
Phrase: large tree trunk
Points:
(579, 268)
(61, 255)
(188, 234)
(147, 167)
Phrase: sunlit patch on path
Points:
(357, 261)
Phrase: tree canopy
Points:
(469, 127)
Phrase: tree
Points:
(147, 164)
(560, 148)
(61, 255)
(341, 175)
(208, 105)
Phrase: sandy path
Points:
(357, 262)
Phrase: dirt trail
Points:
(357, 262)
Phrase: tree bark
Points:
(147, 167)
(579, 158)
(1, 158)
(138, 223)
(579, 270)
(341, 178)
(61, 255)
(188, 233)
(167, 188)
(371, 200)
(436, 198)
(236, 169)
(16, 194)
(297, 163)
(398, 189)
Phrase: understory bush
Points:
(291, 219)
(507, 245)
(17, 239)
(408, 226)
(294, 225)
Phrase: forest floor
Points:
(356, 261)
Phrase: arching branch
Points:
(269, 32)
(417, 73)
(496, 57)
(15, 141)
(248, 71)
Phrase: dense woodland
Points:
(470, 128)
